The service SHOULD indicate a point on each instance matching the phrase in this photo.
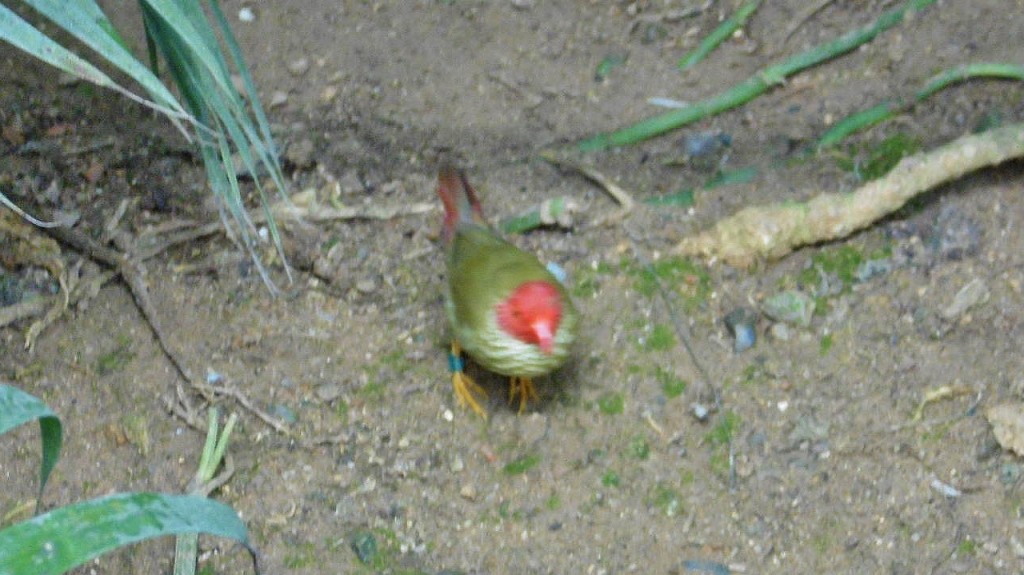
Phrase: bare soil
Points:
(812, 463)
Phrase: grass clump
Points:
(661, 338)
(521, 465)
(225, 123)
(666, 499)
(639, 448)
(689, 280)
(671, 384)
(878, 160)
(611, 403)
(116, 359)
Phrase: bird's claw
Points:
(523, 387)
(466, 390)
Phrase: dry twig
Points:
(621, 196)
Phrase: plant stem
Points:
(750, 88)
(719, 35)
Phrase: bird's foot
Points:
(466, 390)
(523, 387)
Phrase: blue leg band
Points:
(454, 363)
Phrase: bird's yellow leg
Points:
(465, 387)
(523, 387)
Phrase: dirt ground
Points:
(813, 462)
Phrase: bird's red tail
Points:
(459, 199)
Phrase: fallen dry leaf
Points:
(61, 129)
(13, 134)
(94, 172)
(1007, 421)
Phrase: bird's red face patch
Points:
(532, 314)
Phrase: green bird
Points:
(506, 310)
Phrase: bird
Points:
(506, 310)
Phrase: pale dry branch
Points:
(773, 231)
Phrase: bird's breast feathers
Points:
(500, 352)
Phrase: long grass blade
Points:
(219, 106)
(22, 35)
(200, 41)
(250, 88)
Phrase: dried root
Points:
(773, 231)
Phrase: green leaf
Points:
(71, 536)
(21, 34)
(18, 407)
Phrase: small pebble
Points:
(366, 285)
(790, 306)
(971, 295)
(329, 94)
(457, 464)
(700, 412)
(701, 144)
(945, 489)
(351, 183)
(364, 544)
(741, 325)
(956, 235)
(301, 153)
(66, 80)
(872, 268)
(246, 15)
(284, 413)
(278, 98)
(213, 378)
(1018, 547)
(298, 67)
(328, 392)
(779, 332)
